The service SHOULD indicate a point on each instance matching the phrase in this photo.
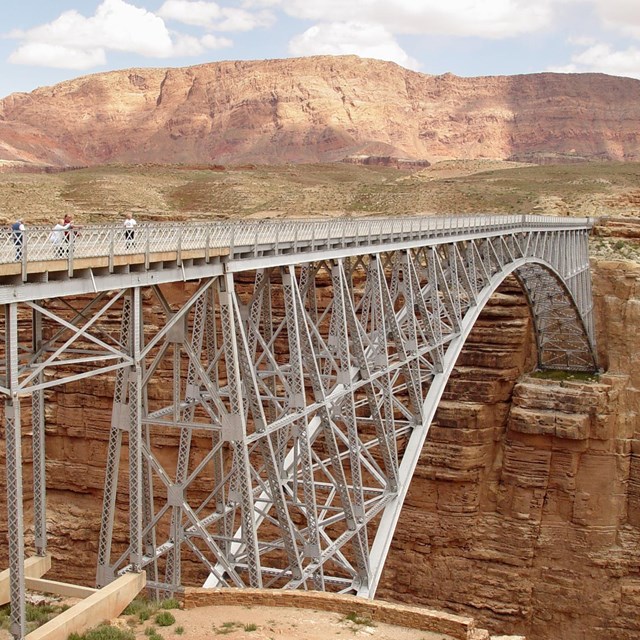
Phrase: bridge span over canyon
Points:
(295, 366)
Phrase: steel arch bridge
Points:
(298, 372)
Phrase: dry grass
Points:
(181, 193)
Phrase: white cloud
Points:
(215, 42)
(366, 40)
(57, 56)
(74, 41)
(185, 45)
(481, 18)
(601, 58)
(116, 25)
(210, 15)
(581, 41)
(622, 15)
(200, 14)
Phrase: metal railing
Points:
(247, 239)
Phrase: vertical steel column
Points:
(39, 448)
(136, 501)
(341, 299)
(236, 428)
(297, 403)
(225, 523)
(192, 393)
(15, 515)
(119, 423)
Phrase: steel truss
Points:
(298, 396)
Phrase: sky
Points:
(43, 42)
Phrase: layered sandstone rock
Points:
(318, 109)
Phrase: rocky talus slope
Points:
(525, 509)
(318, 109)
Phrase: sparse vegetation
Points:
(152, 633)
(561, 375)
(164, 618)
(250, 627)
(174, 193)
(170, 603)
(104, 632)
(359, 620)
(142, 609)
(36, 615)
(615, 249)
(226, 628)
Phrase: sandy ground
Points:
(255, 623)
(274, 623)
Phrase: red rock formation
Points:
(318, 109)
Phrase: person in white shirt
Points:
(57, 239)
(129, 225)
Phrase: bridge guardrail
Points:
(38, 243)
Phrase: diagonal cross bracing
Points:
(294, 384)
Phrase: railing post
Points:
(23, 255)
(207, 249)
(112, 249)
(147, 257)
(70, 250)
(179, 248)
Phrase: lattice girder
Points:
(312, 380)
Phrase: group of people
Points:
(63, 233)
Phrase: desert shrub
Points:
(164, 619)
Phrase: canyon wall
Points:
(525, 509)
(318, 109)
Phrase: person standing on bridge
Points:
(17, 229)
(129, 226)
(58, 238)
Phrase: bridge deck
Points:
(100, 257)
(52, 266)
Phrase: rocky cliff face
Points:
(318, 109)
(525, 508)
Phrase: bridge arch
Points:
(562, 341)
